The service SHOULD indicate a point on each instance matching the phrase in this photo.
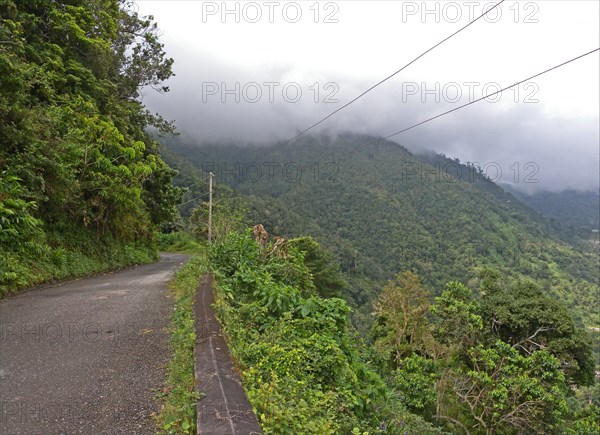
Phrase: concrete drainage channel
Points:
(223, 407)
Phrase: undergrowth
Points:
(69, 254)
(303, 366)
(180, 241)
(178, 415)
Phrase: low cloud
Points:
(215, 102)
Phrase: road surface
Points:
(88, 356)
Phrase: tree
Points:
(502, 391)
(458, 322)
(73, 134)
(523, 316)
(228, 215)
(401, 325)
(72, 129)
(416, 378)
(326, 274)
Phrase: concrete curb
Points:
(223, 407)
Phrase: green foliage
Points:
(75, 155)
(503, 364)
(587, 424)
(578, 210)
(503, 391)
(459, 321)
(415, 377)
(325, 273)
(380, 209)
(178, 414)
(401, 326)
(238, 253)
(70, 251)
(228, 215)
(522, 315)
(20, 234)
(585, 407)
(19, 230)
(179, 241)
(303, 367)
(458, 229)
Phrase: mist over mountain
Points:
(254, 89)
(554, 156)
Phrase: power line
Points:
(393, 74)
(194, 199)
(483, 98)
(202, 180)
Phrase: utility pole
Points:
(210, 204)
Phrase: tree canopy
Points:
(75, 152)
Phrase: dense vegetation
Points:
(82, 186)
(476, 335)
(577, 210)
(382, 210)
(456, 362)
(303, 368)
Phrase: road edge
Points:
(223, 406)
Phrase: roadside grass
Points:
(178, 415)
(181, 242)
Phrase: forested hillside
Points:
(382, 210)
(468, 305)
(501, 362)
(578, 210)
(82, 185)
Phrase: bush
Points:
(303, 367)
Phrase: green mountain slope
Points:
(382, 210)
(578, 210)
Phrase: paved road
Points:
(87, 356)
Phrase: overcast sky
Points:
(258, 72)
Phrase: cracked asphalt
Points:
(87, 356)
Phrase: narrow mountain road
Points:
(88, 356)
